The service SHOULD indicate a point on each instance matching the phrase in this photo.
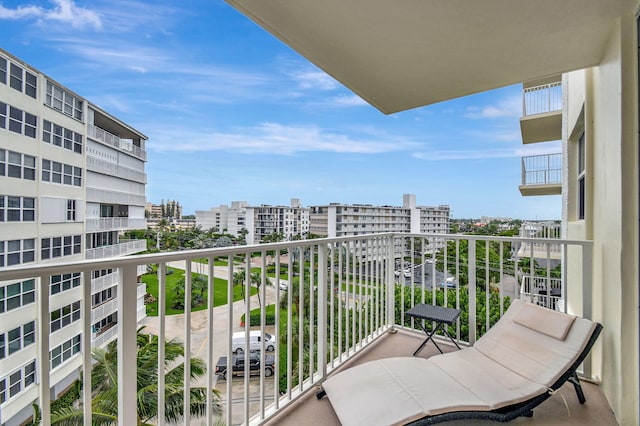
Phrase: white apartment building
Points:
(337, 220)
(71, 179)
(228, 219)
(289, 221)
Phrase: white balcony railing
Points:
(542, 169)
(107, 167)
(115, 223)
(116, 197)
(351, 291)
(115, 250)
(125, 145)
(542, 99)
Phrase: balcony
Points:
(115, 223)
(124, 145)
(350, 303)
(109, 168)
(541, 119)
(541, 175)
(115, 250)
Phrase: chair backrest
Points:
(537, 343)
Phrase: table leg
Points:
(430, 337)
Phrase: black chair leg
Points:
(578, 387)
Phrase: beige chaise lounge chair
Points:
(531, 352)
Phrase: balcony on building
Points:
(541, 119)
(358, 278)
(123, 248)
(541, 175)
(114, 133)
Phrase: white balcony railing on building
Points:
(116, 197)
(107, 167)
(122, 249)
(115, 223)
(351, 291)
(542, 169)
(104, 310)
(542, 99)
(125, 145)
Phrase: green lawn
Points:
(219, 295)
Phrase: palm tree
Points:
(105, 385)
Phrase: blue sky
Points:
(234, 114)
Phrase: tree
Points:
(104, 384)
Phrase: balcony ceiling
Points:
(404, 54)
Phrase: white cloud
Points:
(313, 78)
(511, 107)
(348, 101)
(275, 138)
(64, 11)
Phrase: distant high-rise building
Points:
(227, 219)
(290, 222)
(337, 220)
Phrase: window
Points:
(17, 209)
(22, 122)
(3, 70)
(581, 176)
(64, 316)
(17, 165)
(52, 247)
(63, 101)
(64, 282)
(18, 338)
(15, 252)
(16, 295)
(55, 172)
(17, 381)
(62, 137)
(65, 351)
(71, 210)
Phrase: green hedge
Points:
(270, 316)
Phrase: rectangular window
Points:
(63, 101)
(16, 295)
(71, 210)
(52, 247)
(17, 209)
(64, 316)
(3, 70)
(581, 176)
(3, 115)
(17, 381)
(55, 172)
(62, 137)
(15, 80)
(21, 122)
(65, 351)
(15, 252)
(17, 165)
(64, 282)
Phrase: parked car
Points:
(255, 341)
(284, 285)
(237, 363)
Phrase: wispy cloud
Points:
(275, 138)
(511, 107)
(347, 101)
(64, 11)
(486, 154)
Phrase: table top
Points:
(434, 313)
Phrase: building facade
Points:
(227, 219)
(290, 222)
(337, 220)
(71, 180)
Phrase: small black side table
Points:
(441, 315)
